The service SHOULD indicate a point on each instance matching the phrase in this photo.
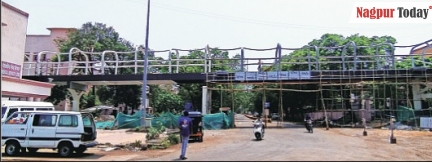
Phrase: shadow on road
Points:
(53, 155)
(194, 141)
(250, 127)
(292, 125)
(178, 159)
(243, 127)
(257, 140)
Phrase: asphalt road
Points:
(279, 144)
(293, 143)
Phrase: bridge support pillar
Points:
(76, 90)
(76, 96)
(417, 96)
(204, 100)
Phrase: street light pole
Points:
(144, 87)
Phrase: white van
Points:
(65, 131)
(9, 107)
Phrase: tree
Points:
(239, 101)
(94, 37)
(59, 93)
(167, 102)
(303, 100)
(335, 40)
(99, 37)
(193, 92)
(89, 100)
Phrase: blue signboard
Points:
(267, 104)
(272, 75)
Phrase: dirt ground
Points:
(293, 143)
(410, 146)
(290, 143)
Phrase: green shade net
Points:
(167, 119)
(210, 121)
(129, 121)
(218, 121)
(103, 125)
(404, 113)
(123, 120)
(214, 121)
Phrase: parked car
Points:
(275, 116)
(65, 131)
(9, 107)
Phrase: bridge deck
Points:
(340, 76)
(402, 75)
(129, 79)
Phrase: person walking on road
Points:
(185, 126)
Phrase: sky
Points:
(193, 24)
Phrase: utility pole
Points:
(92, 72)
(144, 87)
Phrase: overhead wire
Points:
(262, 22)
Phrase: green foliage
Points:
(96, 35)
(406, 63)
(166, 143)
(334, 40)
(162, 99)
(58, 94)
(162, 128)
(174, 138)
(237, 100)
(157, 114)
(63, 57)
(152, 133)
(191, 92)
(299, 102)
(88, 100)
(105, 94)
(137, 143)
(167, 101)
(139, 129)
(99, 37)
(153, 147)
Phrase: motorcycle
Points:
(258, 129)
(309, 126)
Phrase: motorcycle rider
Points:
(306, 120)
(259, 121)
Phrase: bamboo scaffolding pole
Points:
(280, 112)
(324, 107)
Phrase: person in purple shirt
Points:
(185, 126)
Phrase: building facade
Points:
(13, 35)
(427, 51)
(45, 47)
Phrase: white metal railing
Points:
(76, 61)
